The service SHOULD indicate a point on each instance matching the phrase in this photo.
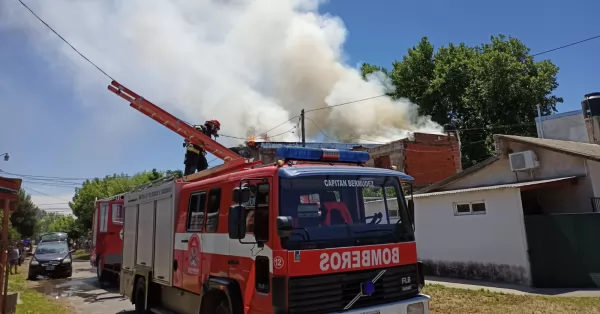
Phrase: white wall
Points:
(488, 246)
(567, 126)
(568, 198)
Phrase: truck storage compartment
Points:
(145, 234)
(129, 235)
(163, 240)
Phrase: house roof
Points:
(560, 115)
(496, 187)
(585, 150)
(459, 175)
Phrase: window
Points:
(117, 213)
(195, 219)
(261, 212)
(212, 215)
(469, 208)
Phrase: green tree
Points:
(67, 224)
(86, 195)
(45, 221)
(13, 234)
(491, 88)
(24, 219)
(367, 69)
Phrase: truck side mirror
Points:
(285, 225)
(236, 222)
(241, 195)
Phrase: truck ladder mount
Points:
(232, 161)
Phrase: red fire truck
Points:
(289, 237)
(107, 238)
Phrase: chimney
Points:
(591, 115)
(454, 138)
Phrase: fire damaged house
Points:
(429, 158)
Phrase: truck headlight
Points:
(66, 261)
(415, 308)
(34, 262)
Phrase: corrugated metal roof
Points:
(493, 187)
(585, 150)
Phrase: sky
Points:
(58, 120)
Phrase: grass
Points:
(33, 302)
(81, 255)
(452, 300)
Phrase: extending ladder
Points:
(232, 161)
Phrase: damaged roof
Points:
(585, 150)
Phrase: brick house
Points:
(429, 158)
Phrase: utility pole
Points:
(302, 126)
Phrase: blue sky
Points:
(59, 120)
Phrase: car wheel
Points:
(31, 277)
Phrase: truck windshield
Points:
(336, 211)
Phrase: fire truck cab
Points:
(289, 237)
(107, 238)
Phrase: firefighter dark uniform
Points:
(195, 156)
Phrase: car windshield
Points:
(52, 237)
(335, 211)
(52, 248)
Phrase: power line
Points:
(282, 123)
(345, 103)
(66, 42)
(36, 191)
(565, 46)
(320, 130)
(43, 177)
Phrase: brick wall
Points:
(429, 158)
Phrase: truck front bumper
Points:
(416, 305)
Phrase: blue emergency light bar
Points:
(321, 154)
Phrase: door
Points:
(249, 262)
(190, 243)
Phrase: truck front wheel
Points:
(223, 308)
(215, 302)
(140, 296)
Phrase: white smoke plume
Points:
(251, 64)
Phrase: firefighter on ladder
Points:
(195, 156)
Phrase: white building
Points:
(566, 126)
(529, 222)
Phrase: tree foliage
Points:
(45, 221)
(85, 196)
(491, 88)
(24, 219)
(67, 224)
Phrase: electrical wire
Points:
(36, 191)
(566, 46)
(66, 42)
(345, 103)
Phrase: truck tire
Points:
(223, 308)
(140, 296)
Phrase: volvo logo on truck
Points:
(359, 259)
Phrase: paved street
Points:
(83, 294)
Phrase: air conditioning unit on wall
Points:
(523, 161)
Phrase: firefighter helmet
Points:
(215, 123)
